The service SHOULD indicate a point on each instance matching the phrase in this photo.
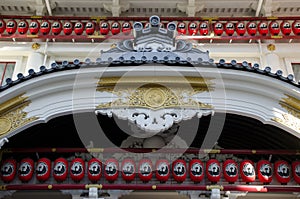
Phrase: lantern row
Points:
(179, 170)
(202, 28)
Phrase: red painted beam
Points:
(243, 188)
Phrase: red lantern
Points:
(263, 28)
(126, 27)
(193, 28)
(264, 171)
(90, 28)
(162, 169)
(77, 169)
(247, 171)
(181, 28)
(45, 27)
(60, 169)
(11, 27)
(22, 27)
(104, 28)
(230, 171)
(43, 169)
(128, 170)
(68, 28)
(296, 27)
(111, 170)
(218, 28)
(34, 27)
(2, 26)
(251, 28)
(145, 170)
(94, 170)
(282, 171)
(8, 170)
(26, 169)
(78, 28)
(203, 28)
(196, 170)
(286, 28)
(240, 28)
(229, 28)
(56, 27)
(179, 170)
(115, 28)
(274, 28)
(296, 171)
(213, 171)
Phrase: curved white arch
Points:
(239, 92)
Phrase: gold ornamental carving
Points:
(291, 119)
(12, 114)
(154, 92)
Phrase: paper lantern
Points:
(94, 170)
(67, 28)
(162, 169)
(213, 171)
(203, 28)
(263, 28)
(78, 28)
(196, 170)
(115, 28)
(296, 27)
(181, 28)
(2, 26)
(104, 28)
(286, 28)
(11, 26)
(193, 28)
(274, 28)
(22, 27)
(8, 170)
(126, 27)
(264, 171)
(56, 27)
(145, 170)
(218, 28)
(179, 170)
(128, 170)
(43, 169)
(230, 171)
(296, 171)
(90, 28)
(282, 171)
(229, 28)
(60, 169)
(247, 171)
(45, 27)
(26, 169)
(34, 27)
(111, 172)
(240, 28)
(251, 28)
(77, 169)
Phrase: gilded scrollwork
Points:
(290, 119)
(12, 114)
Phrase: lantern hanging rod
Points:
(247, 188)
(148, 150)
(147, 18)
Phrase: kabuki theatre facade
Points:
(126, 99)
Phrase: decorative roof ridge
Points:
(244, 66)
(154, 42)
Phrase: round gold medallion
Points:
(154, 97)
(5, 125)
